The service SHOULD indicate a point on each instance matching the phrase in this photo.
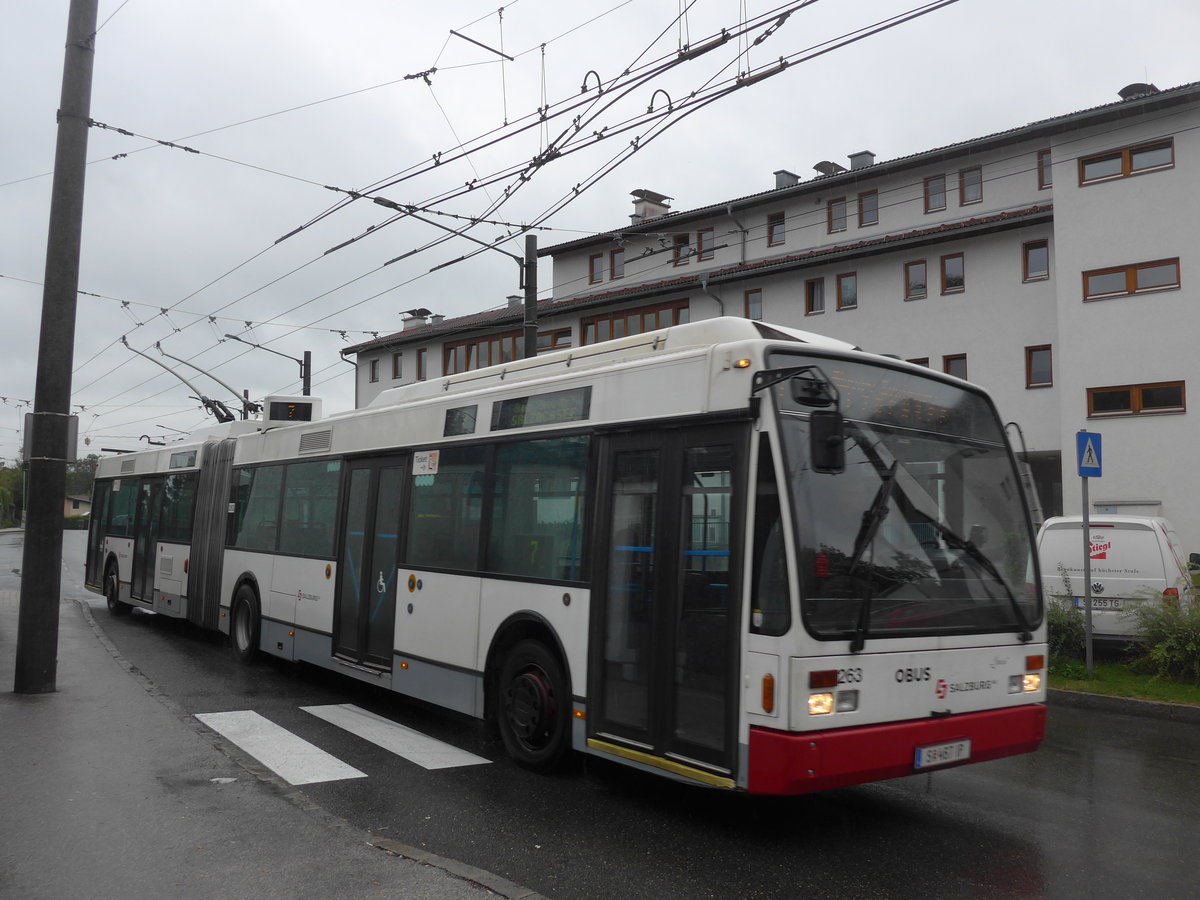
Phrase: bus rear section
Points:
(896, 624)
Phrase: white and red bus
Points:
(732, 553)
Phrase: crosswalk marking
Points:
(290, 757)
(412, 745)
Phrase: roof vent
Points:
(862, 159)
(1137, 90)
(825, 167)
(784, 178)
(649, 205)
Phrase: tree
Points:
(80, 475)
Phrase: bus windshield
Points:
(925, 530)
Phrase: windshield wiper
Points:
(872, 518)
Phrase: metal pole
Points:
(1087, 579)
(531, 327)
(306, 373)
(41, 567)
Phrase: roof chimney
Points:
(649, 205)
(861, 159)
(515, 301)
(1137, 90)
(436, 319)
(825, 167)
(784, 178)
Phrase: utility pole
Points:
(41, 567)
(530, 279)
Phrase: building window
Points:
(847, 291)
(373, 370)
(868, 208)
(481, 352)
(681, 249)
(814, 296)
(935, 193)
(753, 303)
(705, 244)
(633, 321)
(836, 212)
(1038, 370)
(915, 286)
(1136, 400)
(776, 229)
(955, 365)
(954, 275)
(559, 339)
(970, 185)
(1036, 265)
(920, 361)
(1045, 170)
(616, 263)
(397, 365)
(422, 372)
(1128, 161)
(1120, 281)
(595, 268)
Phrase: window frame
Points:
(1136, 406)
(841, 280)
(422, 364)
(776, 229)
(748, 305)
(1026, 247)
(1045, 170)
(397, 365)
(946, 289)
(842, 216)
(811, 295)
(1029, 354)
(963, 184)
(952, 358)
(681, 243)
(705, 244)
(908, 292)
(929, 180)
(919, 361)
(474, 349)
(863, 221)
(595, 268)
(1126, 154)
(616, 263)
(373, 370)
(678, 313)
(1130, 270)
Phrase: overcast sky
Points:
(286, 97)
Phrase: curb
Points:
(1175, 712)
(485, 879)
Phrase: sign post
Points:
(1087, 454)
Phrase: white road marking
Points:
(395, 738)
(292, 758)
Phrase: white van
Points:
(1134, 559)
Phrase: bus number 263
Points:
(849, 676)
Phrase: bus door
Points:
(365, 617)
(146, 524)
(664, 637)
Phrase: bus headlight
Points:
(820, 704)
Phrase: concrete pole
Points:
(41, 567)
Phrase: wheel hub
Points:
(531, 706)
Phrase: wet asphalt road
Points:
(1109, 807)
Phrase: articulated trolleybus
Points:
(727, 552)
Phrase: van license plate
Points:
(1100, 603)
(942, 754)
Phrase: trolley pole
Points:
(41, 566)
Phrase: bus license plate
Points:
(942, 754)
(1100, 603)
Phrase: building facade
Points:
(1046, 262)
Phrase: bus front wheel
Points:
(112, 593)
(245, 624)
(534, 706)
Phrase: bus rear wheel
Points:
(244, 625)
(112, 593)
(534, 706)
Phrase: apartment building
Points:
(1046, 262)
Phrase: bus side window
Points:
(770, 611)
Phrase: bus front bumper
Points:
(801, 763)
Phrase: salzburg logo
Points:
(941, 689)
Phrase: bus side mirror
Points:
(827, 442)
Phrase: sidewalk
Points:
(111, 791)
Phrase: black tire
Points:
(245, 623)
(533, 706)
(112, 593)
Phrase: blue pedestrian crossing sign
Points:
(1087, 452)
